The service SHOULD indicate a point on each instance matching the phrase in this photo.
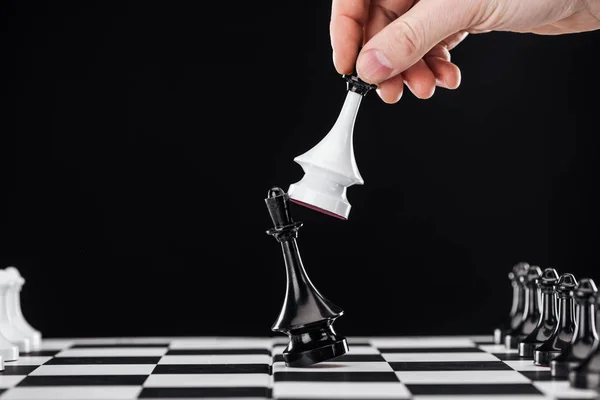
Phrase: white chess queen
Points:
(330, 167)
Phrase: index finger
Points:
(348, 18)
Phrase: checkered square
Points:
(422, 368)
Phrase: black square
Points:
(541, 376)
(430, 350)
(102, 360)
(119, 345)
(214, 392)
(449, 366)
(484, 342)
(474, 389)
(509, 356)
(212, 352)
(18, 369)
(345, 358)
(353, 376)
(43, 353)
(212, 369)
(84, 380)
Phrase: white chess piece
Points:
(9, 331)
(330, 167)
(15, 314)
(8, 350)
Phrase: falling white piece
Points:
(15, 314)
(330, 167)
(9, 332)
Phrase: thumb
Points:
(406, 40)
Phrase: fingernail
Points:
(374, 66)
(399, 96)
(441, 83)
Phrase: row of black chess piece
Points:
(555, 321)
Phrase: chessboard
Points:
(469, 367)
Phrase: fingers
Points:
(381, 14)
(405, 41)
(391, 90)
(447, 75)
(420, 80)
(348, 18)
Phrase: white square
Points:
(221, 343)
(73, 393)
(333, 366)
(8, 381)
(525, 365)
(486, 397)
(208, 380)
(441, 357)
(563, 390)
(217, 359)
(114, 352)
(94, 369)
(123, 341)
(497, 348)
(422, 342)
(362, 350)
(460, 377)
(340, 390)
(56, 344)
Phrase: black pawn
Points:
(518, 303)
(532, 313)
(548, 321)
(585, 338)
(563, 334)
(306, 316)
(587, 374)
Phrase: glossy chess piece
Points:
(330, 167)
(585, 337)
(531, 316)
(518, 303)
(587, 374)
(9, 330)
(563, 334)
(548, 320)
(15, 313)
(306, 317)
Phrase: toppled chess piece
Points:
(587, 374)
(548, 320)
(563, 334)
(330, 167)
(518, 303)
(531, 315)
(306, 317)
(585, 337)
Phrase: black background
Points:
(139, 140)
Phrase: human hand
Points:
(408, 42)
